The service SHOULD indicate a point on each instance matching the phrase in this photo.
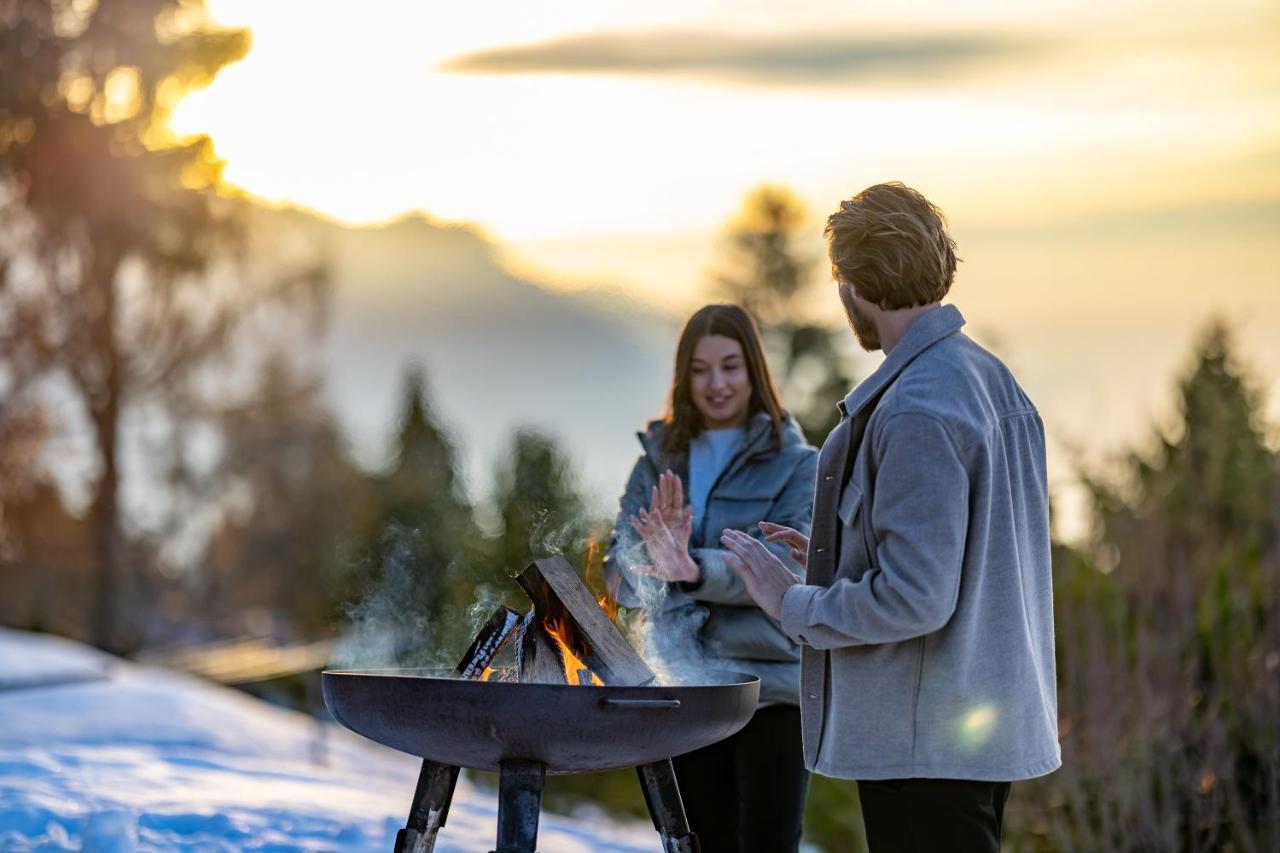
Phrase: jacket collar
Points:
(758, 436)
(927, 330)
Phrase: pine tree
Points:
(281, 544)
(769, 274)
(540, 508)
(419, 562)
(1168, 631)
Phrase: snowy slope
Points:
(98, 754)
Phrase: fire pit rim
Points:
(734, 678)
(567, 727)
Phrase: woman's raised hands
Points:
(666, 528)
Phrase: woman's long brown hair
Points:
(684, 421)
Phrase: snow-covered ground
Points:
(98, 754)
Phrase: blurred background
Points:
(319, 319)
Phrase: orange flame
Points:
(558, 630)
(605, 592)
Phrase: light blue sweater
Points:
(709, 455)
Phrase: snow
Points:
(98, 754)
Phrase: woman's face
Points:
(719, 382)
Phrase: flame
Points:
(558, 630)
(487, 674)
(605, 592)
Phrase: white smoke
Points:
(387, 627)
(668, 635)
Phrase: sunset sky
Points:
(1111, 169)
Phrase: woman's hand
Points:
(667, 500)
(796, 541)
(665, 528)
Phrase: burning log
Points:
(488, 643)
(538, 659)
(561, 598)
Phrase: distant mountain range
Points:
(500, 351)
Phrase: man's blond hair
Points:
(891, 244)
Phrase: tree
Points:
(538, 502)
(293, 495)
(118, 277)
(23, 430)
(415, 574)
(769, 274)
(1168, 632)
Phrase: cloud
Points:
(803, 58)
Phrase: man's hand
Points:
(764, 575)
(796, 541)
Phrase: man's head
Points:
(889, 250)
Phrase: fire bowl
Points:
(567, 728)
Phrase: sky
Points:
(580, 120)
(1111, 170)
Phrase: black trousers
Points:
(926, 815)
(746, 793)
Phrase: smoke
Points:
(488, 599)
(668, 634)
(391, 625)
(401, 619)
(548, 539)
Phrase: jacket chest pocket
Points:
(855, 553)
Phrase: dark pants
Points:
(746, 793)
(924, 815)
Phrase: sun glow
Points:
(351, 116)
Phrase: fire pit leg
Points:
(430, 808)
(519, 801)
(662, 796)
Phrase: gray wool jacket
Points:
(714, 623)
(926, 615)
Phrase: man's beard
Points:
(864, 328)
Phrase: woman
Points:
(725, 456)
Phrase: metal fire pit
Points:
(541, 723)
(566, 728)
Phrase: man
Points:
(926, 615)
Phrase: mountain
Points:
(500, 351)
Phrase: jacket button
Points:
(829, 477)
(819, 550)
(812, 696)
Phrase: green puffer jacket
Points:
(714, 623)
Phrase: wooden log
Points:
(556, 591)
(486, 645)
(538, 657)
